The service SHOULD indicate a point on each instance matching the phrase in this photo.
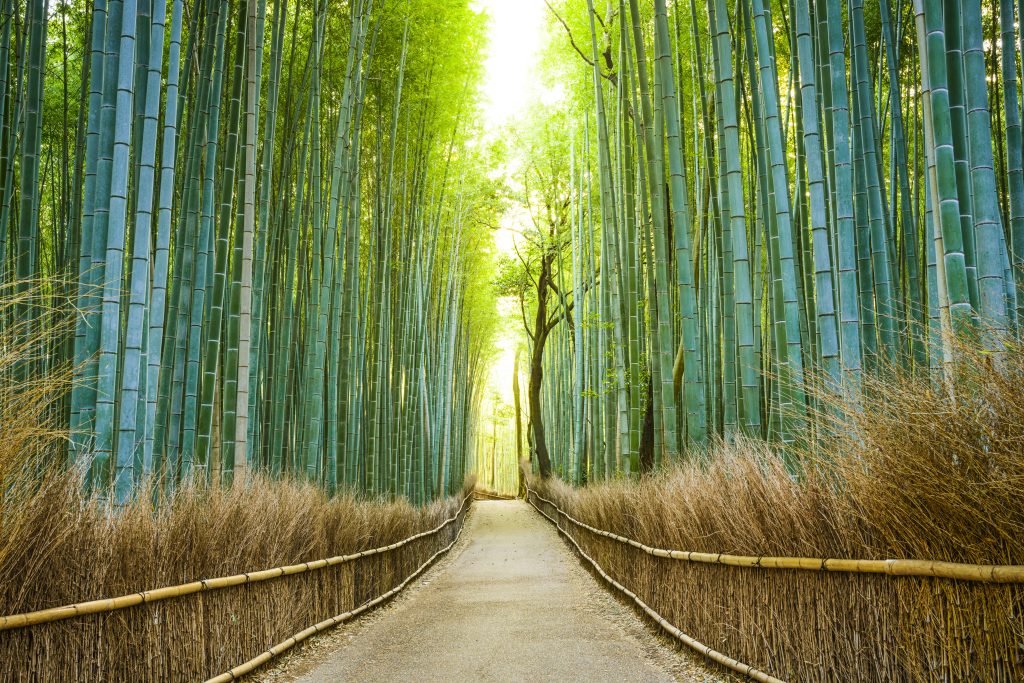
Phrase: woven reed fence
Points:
(808, 619)
(220, 627)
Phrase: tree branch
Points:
(526, 325)
(568, 31)
(610, 76)
(554, 320)
(526, 265)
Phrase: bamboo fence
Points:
(194, 631)
(819, 619)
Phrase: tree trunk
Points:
(533, 397)
(517, 399)
(646, 454)
(540, 336)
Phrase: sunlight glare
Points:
(515, 33)
(511, 83)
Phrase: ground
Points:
(509, 603)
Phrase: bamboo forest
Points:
(603, 340)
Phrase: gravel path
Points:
(510, 603)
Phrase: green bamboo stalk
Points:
(915, 308)
(134, 407)
(849, 316)
(243, 457)
(954, 89)
(693, 370)
(1014, 151)
(105, 250)
(655, 174)
(745, 310)
(787, 329)
(956, 279)
(824, 275)
(988, 229)
(886, 312)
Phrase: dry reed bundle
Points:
(63, 550)
(918, 475)
(285, 645)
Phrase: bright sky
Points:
(516, 32)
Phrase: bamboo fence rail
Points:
(175, 640)
(285, 645)
(700, 647)
(813, 619)
(994, 573)
(52, 614)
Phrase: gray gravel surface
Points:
(509, 603)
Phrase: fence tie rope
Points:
(714, 655)
(49, 615)
(989, 573)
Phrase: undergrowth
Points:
(919, 470)
(915, 471)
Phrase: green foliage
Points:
(787, 194)
(305, 177)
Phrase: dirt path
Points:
(511, 604)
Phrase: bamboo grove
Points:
(762, 201)
(260, 213)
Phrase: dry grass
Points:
(29, 398)
(916, 475)
(58, 547)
